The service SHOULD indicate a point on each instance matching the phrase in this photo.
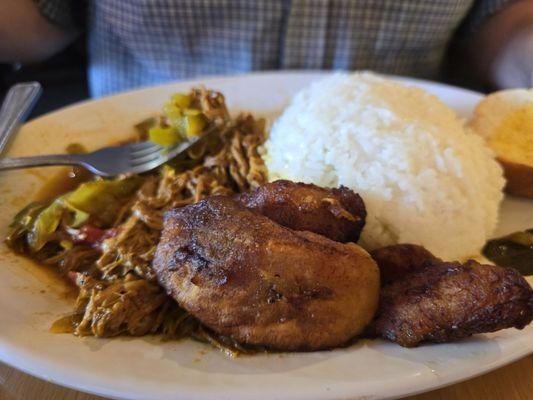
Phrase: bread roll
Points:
(505, 120)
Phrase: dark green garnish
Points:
(514, 250)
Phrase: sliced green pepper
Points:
(194, 124)
(99, 199)
(181, 100)
(164, 136)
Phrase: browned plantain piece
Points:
(448, 301)
(246, 277)
(339, 214)
(398, 260)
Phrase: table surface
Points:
(513, 382)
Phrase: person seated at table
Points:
(139, 42)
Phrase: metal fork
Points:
(17, 105)
(108, 161)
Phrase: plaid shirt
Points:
(143, 42)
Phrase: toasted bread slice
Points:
(505, 120)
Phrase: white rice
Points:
(424, 178)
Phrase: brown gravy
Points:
(62, 182)
(65, 180)
(52, 280)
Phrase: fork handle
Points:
(39, 161)
(17, 105)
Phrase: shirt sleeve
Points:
(67, 14)
(480, 12)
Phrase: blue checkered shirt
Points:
(143, 42)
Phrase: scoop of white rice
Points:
(424, 178)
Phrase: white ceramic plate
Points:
(142, 368)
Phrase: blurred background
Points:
(63, 77)
(485, 41)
